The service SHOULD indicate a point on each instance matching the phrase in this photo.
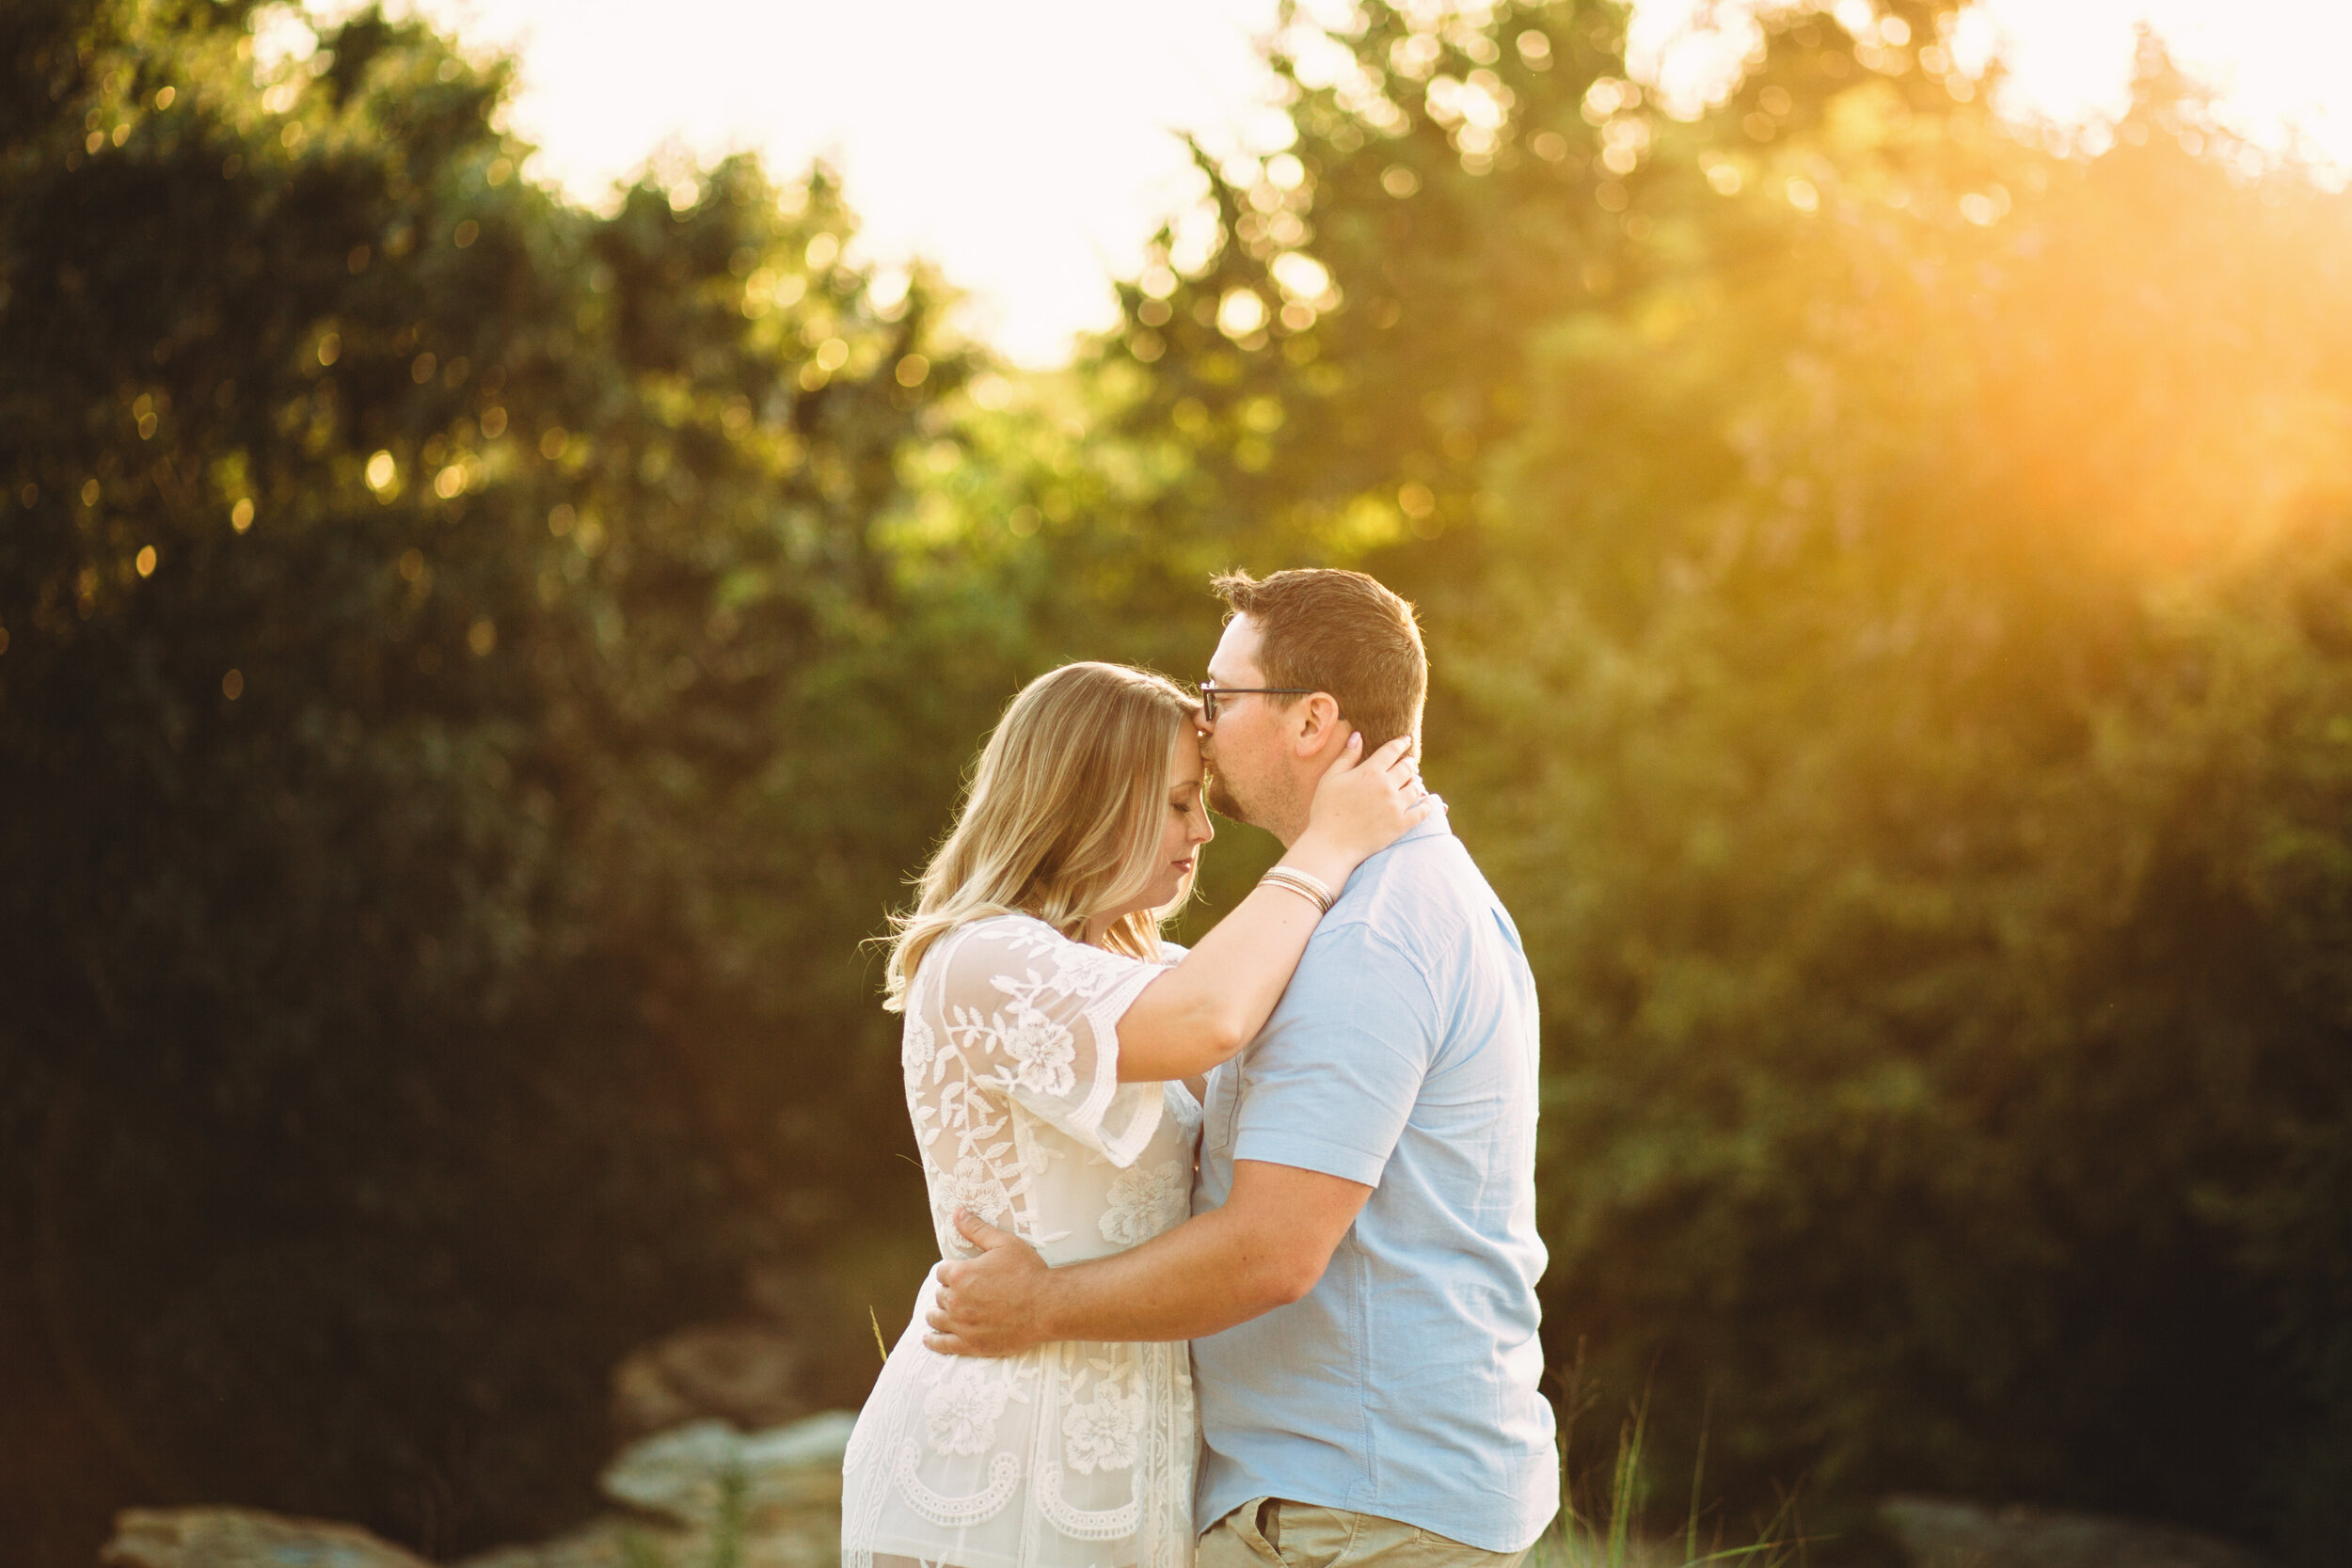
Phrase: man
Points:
(1358, 1277)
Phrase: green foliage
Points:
(1605, 1509)
(430, 919)
(1882, 577)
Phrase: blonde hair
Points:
(1063, 817)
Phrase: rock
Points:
(682, 1474)
(611, 1541)
(788, 1512)
(748, 1373)
(1938, 1532)
(243, 1538)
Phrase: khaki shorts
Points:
(1270, 1533)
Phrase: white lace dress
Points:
(1068, 1455)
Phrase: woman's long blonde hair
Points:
(1063, 818)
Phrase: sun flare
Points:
(1033, 162)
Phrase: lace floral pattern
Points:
(1068, 1455)
(1145, 1200)
(960, 1413)
(1100, 1434)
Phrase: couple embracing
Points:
(1238, 1244)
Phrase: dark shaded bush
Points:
(431, 887)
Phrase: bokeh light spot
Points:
(1240, 313)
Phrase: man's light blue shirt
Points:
(1403, 1056)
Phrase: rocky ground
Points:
(1940, 1533)
(696, 1495)
(715, 1479)
(706, 1495)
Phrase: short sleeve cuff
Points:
(1118, 1118)
(1128, 1125)
(1284, 1146)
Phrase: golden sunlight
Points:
(956, 132)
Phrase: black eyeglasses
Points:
(1211, 693)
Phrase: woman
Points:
(1047, 1038)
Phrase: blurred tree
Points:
(429, 933)
(1881, 569)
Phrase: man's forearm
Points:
(1268, 1245)
(1210, 1272)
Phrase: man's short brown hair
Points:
(1339, 632)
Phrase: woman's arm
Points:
(1215, 1000)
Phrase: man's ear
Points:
(1318, 724)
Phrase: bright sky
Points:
(1027, 147)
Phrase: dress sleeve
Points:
(1034, 1016)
